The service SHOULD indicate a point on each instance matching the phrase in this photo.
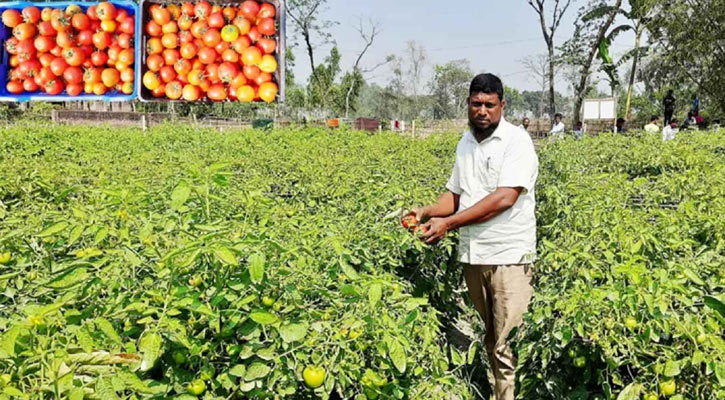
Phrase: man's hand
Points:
(435, 230)
(419, 213)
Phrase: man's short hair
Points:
(525, 119)
(486, 83)
(654, 118)
(674, 120)
(558, 115)
(621, 120)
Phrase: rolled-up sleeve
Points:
(454, 182)
(520, 165)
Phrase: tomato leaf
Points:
(348, 270)
(719, 368)
(375, 293)
(631, 392)
(715, 304)
(256, 370)
(180, 195)
(53, 229)
(150, 346)
(107, 328)
(225, 255)
(256, 267)
(672, 368)
(104, 388)
(76, 394)
(293, 332)
(238, 370)
(7, 343)
(397, 355)
(263, 318)
(693, 276)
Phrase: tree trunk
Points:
(552, 98)
(582, 85)
(639, 30)
(310, 52)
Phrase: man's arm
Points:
(488, 208)
(446, 205)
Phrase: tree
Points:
(449, 88)
(305, 19)
(687, 36)
(579, 51)
(355, 78)
(417, 57)
(538, 66)
(322, 90)
(549, 31)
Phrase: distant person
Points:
(619, 127)
(525, 124)
(695, 105)
(490, 199)
(716, 124)
(557, 131)
(669, 103)
(669, 131)
(578, 130)
(690, 122)
(653, 126)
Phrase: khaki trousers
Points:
(501, 294)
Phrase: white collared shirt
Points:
(557, 131)
(651, 128)
(506, 159)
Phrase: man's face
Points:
(557, 119)
(673, 125)
(525, 122)
(484, 110)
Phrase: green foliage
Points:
(630, 281)
(141, 263)
(449, 89)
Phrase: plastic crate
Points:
(281, 52)
(6, 32)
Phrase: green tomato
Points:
(196, 387)
(572, 353)
(701, 338)
(371, 394)
(207, 372)
(580, 362)
(668, 388)
(5, 258)
(233, 350)
(179, 357)
(277, 306)
(651, 396)
(631, 323)
(314, 376)
(267, 301)
(195, 281)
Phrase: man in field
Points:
(525, 124)
(490, 200)
(557, 131)
(670, 131)
(653, 126)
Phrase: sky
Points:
(493, 35)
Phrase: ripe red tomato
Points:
(26, 30)
(160, 15)
(227, 72)
(207, 55)
(252, 72)
(263, 78)
(65, 39)
(153, 29)
(198, 29)
(267, 26)
(92, 75)
(216, 92)
(29, 85)
(266, 10)
(74, 89)
(91, 12)
(188, 9)
(182, 67)
(110, 77)
(31, 14)
(212, 73)
(216, 20)
(254, 35)
(121, 14)
(249, 9)
(106, 11)
(174, 90)
(58, 66)
(14, 87)
(171, 56)
(43, 44)
(29, 69)
(124, 40)
(25, 50)
(154, 46)
(46, 59)
(212, 37)
(73, 75)
(268, 91)
(99, 58)
(230, 55)
(238, 81)
(45, 28)
(74, 56)
(251, 56)
(167, 74)
(11, 45)
(242, 24)
(12, 18)
(127, 25)
(126, 56)
(160, 91)
(80, 22)
(170, 40)
(202, 9)
(155, 62)
(99, 89)
(54, 87)
(85, 37)
(188, 51)
(268, 46)
(246, 94)
(102, 40)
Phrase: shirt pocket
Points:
(489, 171)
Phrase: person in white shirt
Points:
(557, 131)
(653, 126)
(578, 130)
(525, 124)
(490, 200)
(669, 131)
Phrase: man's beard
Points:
(481, 134)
